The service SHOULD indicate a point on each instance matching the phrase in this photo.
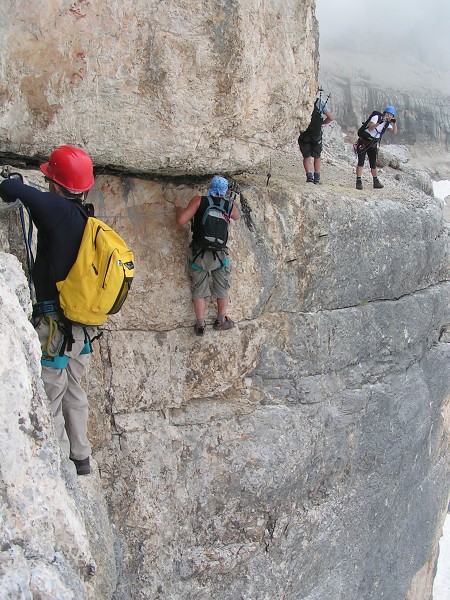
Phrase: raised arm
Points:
(184, 215)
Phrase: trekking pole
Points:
(233, 193)
(320, 90)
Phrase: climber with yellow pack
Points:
(62, 218)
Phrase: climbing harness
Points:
(49, 313)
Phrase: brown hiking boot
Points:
(223, 325)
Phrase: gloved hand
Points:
(7, 195)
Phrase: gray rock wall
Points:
(279, 460)
(157, 87)
(55, 531)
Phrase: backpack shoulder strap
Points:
(210, 205)
(87, 210)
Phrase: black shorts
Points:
(371, 152)
(310, 145)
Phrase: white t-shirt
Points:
(376, 133)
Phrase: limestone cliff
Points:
(302, 455)
(156, 86)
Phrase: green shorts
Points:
(210, 273)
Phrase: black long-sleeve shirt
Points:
(60, 228)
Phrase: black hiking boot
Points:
(359, 184)
(309, 178)
(82, 466)
(199, 329)
(317, 178)
(376, 184)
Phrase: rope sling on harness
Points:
(52, 329)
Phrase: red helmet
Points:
(70, 167)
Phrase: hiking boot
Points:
(222, 325)
(309, 178)
(82, 466)
(317, 178)
(377, 185)
(199, 329)
(359, 184)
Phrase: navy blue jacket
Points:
(60, 228)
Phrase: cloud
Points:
(416, 28)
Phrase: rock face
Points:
(51, 546)
(158, 87)
(302, 454)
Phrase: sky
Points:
(416, 28)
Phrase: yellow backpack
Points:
(99, 281)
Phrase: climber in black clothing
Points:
(66, 346)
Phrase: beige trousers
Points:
(67, 399)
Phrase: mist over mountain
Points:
(413, 29)
(395, 55)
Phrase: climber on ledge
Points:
(310, 140)
(60, 224)
(368, 141)
(208, 254)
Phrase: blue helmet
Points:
(390, 110)
(218, 186)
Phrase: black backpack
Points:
(211, 231)
(362, 133)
